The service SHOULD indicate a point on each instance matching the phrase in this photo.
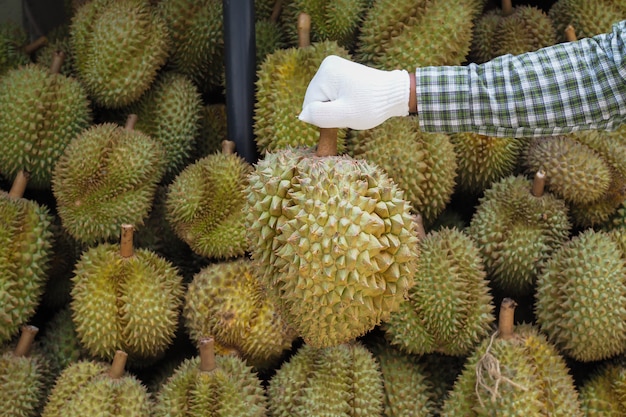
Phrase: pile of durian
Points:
(146, 269)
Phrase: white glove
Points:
(347, 94)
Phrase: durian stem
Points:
(539, 183)
(327, 145)
(126, 242)
(19, 184)
(507, 7)
(228, 147)
(506, 320)
(131, 121)
(57, 62)
(304, 30)
(276, 10)
(118, 364)
(419, 221)
(25, 343)
(36, 44)
(570, 33)
(207, 355)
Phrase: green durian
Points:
(119, 46)
(427, 172)
(107, 176)
(268, 38)
(212, 385)
(213, 130)
(58, 41)
(125, 299)
(226, 300)
(589, 18)
(449, 309)
(342, 380)
(515, 372)
(13, 38)
(517, 230)
(42, 111)
(581, 296)
(603, 393)
(94, 388)
(205, 205)
(26, 240)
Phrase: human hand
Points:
(348, 94)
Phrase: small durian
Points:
(13, 38)
(589, 18)
(342, 380)
(119, 46)
(515, 372)
(603, 393)
(205, 204)
(211, 385)
(125, 299)
(58, 41)
(226, 300)
(213, 130)
(93, 388)
(107, 176)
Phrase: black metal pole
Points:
(240, 63)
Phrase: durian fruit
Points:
(449, 309)
(26, 240)
(226, 300)
(589, 18)
(268, 37)
(342, 380)
(23, 377)
(93, 388)
(408, 34)
(42, 111)
(581, 296)
(427, 172)
(517, 226)
(334, 238)
(58, 41)
(603, 393)
(281, 84)
(196, 30)
(213, 130)
(511, 30)
(119, 45)
(125, 299)
(205, 204)
(211, 385)
(107, 176)
(13, 37)
(483, 160)
(515, 372)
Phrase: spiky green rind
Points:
(618, 219)
(532, 380)
(86, 389)
(60, 343)
(41, 114)
(268, 38)
(22, 384)
(600, 211)
(45, 55)
(516, 232)
(342, 380)
(589, 18)
(483, 160)
(196, 30)
(231, 389)
(26, 240)
(13, 38)
(347, 253)
(263, 9)
(483, 35)
(130, 303)
(408, 391)
(610, 145)
(119, 46)
(213, 130)
(205, 205)
(450, 300)
(281, 83)
(226, 300)
(331, 20)
(574, 171)
(603, 394)
(527, 29)
(106, 177)
(578, 282)
(428, 171)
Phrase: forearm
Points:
(563, 88)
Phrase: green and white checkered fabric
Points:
(556, 90)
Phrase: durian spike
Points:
(419, 221)
(57, 62)
(228, 147)
(131, 121)
(19, 184)
(539, 183)
(276, 10)
(118, 364)
(25, 343)
(507, 8)
(506, 319)
(327, 145)
(126, 242)
(570, 33)
(36, 44)
(207, 355)
(304, 30)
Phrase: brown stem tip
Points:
(207, 354)
(327, 145)
(506, 320)
(25, 343)
(118, 365)
(126, 242)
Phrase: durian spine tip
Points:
(506, 319)
(118, 365)
(40, 42)
(539, 183)
(25, 342)
(19, 184)
(126, 241)
(207, 355)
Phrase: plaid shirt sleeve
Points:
(555, 90)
